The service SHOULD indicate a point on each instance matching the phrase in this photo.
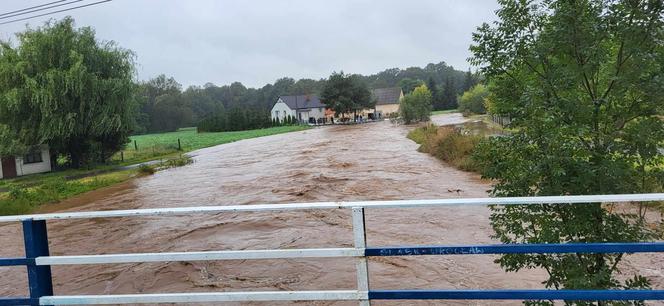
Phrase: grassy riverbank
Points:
(25, 194)
(164, 145)
(448, 144)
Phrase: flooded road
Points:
(362, 162)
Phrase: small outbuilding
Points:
(37, 160)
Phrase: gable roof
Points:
(387, 95)
(302, 101)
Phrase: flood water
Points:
(337, 163)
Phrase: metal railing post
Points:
(360, 242)
(36, 244)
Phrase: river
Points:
(372, 161)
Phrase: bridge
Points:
(39, 262)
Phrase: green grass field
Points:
(155, 146)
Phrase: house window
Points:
(276, 114)
(31, 158)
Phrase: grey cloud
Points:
(256, 42)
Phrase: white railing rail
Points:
(648, 197)
(39, 261)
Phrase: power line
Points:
(40, 9)
(55, 12)
(32, 7)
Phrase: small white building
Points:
(306, 108)
(36, 161)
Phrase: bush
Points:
(146, 169)
(473, 101)
(448, 144)
(180, 161)
(419, 135)
(416, 106)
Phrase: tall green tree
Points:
(582, 82)
(164, 107)
(436, 100)
(202, 105)
(62, 87)
(408, 84)
(346, 94)
(449, 96)
(416, 106)
(469, 80)
(306, 87)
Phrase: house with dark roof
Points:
(387, 100)
(306, 108)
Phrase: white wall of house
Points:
(316, 113)
(32, 168)
(387, 109)
(281, 110)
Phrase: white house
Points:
(37, 161)
(306, 108)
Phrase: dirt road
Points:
(363, 162)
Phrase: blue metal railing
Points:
(39, 262)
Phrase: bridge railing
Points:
(39, 262)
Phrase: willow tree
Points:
(582, 82)
(61, 86)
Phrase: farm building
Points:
(306, 108)
(36, 161)
(387, 101)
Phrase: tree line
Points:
(163, 97)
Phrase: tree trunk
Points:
(76, 153)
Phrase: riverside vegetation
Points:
(581, 82)
(448, 144)
(25, 194)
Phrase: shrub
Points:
(448, 144)
(146, 169)
(416, 106)
(419, 135)
(180, 161)
(473, 100)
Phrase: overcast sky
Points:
(258, 41)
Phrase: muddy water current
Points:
(339, 163)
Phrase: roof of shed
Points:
(387, 95)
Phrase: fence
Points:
(39, 262)
(502, 120)
(135, 151)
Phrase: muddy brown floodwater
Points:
(339, 163)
